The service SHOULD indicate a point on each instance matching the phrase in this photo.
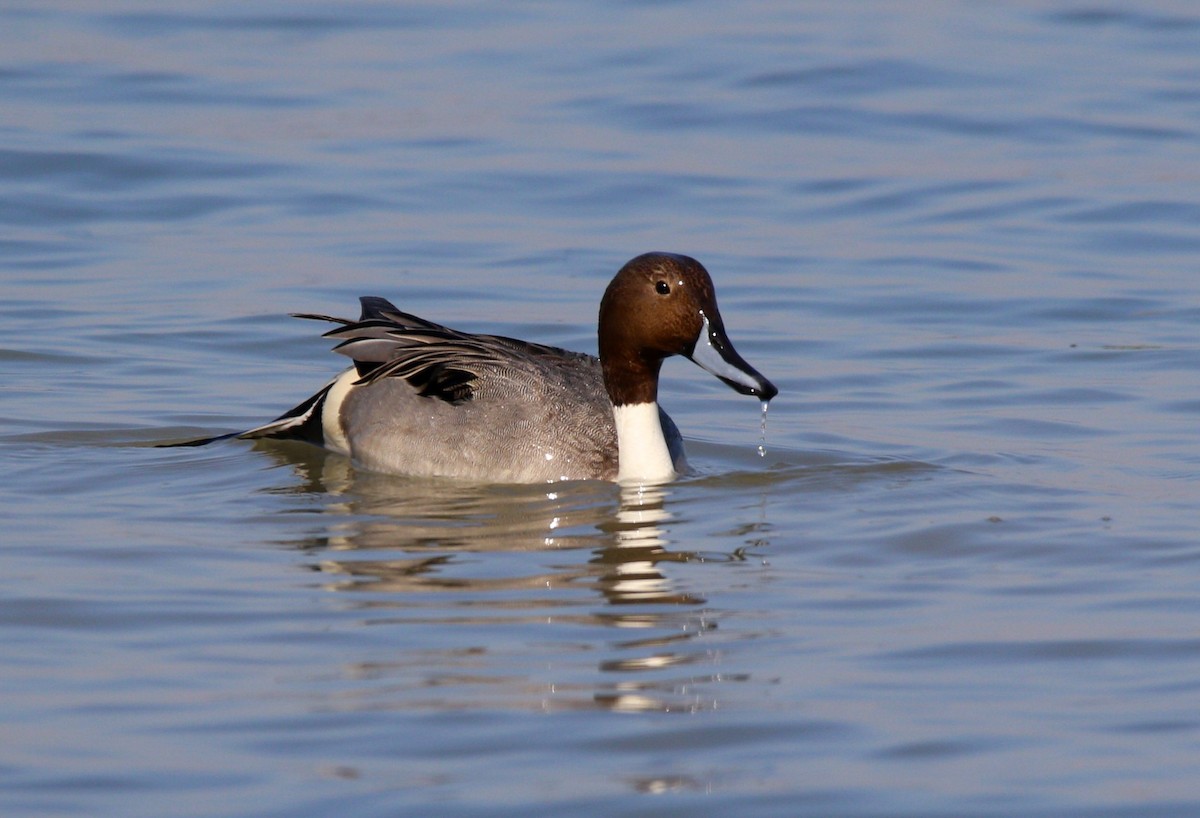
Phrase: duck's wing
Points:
(437, 361)
(372, 338)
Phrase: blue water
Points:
(962, 238)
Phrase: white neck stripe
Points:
(643, 456)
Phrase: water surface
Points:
(960, 237)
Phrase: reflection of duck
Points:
(432, 522)
(631, 561)
(371, 512)
(443, 560)
(426, 400)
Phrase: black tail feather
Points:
(204, 441)
(302, 422)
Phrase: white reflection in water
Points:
(638, 547)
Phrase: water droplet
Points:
(762, 432)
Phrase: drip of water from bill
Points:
(762, 432)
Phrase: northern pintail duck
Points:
(427, 400)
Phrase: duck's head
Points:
(662, 304)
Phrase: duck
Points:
(425, 400)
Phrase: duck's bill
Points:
(715, 353)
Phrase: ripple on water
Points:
(961, 581)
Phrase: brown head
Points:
(662, 304)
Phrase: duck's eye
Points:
(662, 287)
